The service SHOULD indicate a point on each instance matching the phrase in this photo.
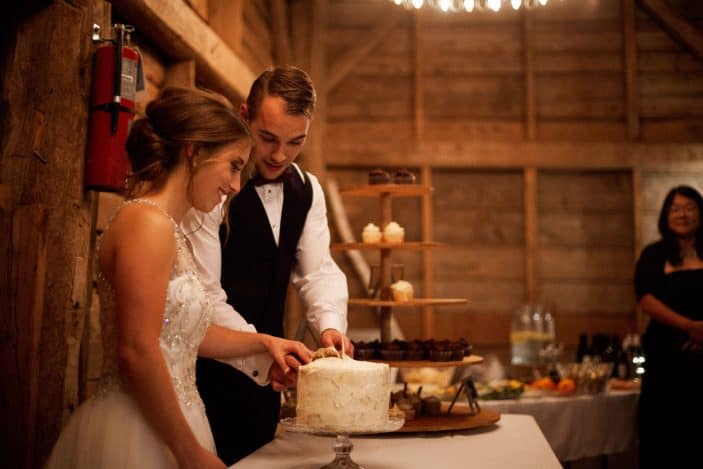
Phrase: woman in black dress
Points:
(669, 287)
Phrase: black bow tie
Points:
(259, 180)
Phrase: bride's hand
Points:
(200, 458)
(280, 348)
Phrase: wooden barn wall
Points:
(457, 81)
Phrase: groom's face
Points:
(278, 136)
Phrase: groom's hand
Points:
(280, 381)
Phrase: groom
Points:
(278, 233)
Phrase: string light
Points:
(450, 6)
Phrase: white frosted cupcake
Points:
(402, 290)
(371, 234)
(393, 233)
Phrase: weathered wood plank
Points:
(227, 21)
(24, 280)
(572, 155)
(630, 61)
(672, 130)
(580, 191)
(183, 35)
(585, 263)
(363, 46)
(671, 107)
(280, 32)
(180, 74)
(676, 25)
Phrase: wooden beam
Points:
(419, 101)
(630, 56)
(279, 30)
(528, 34)
(227, 20)
(180, 74)
(676, 25)
(182, 35)
(565, 155)
(200, 7)
(531, 234)
(366, 42)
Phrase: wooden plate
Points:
(470, 360)
(459, 419)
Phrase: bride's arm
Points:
(144, 251)
(221, 342)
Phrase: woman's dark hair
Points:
(671, 245)
(180, 116)
(290, 83)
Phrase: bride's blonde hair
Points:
(179, 117)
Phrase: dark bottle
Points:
(599, 342)
(610, 353)
(622, 365)
(582, 349)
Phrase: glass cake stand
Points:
(343, 446)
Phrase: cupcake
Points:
(403, 176)
(393, 351)
(415, 350)
(393, 233)
(364, 350)
(402, 290)
(371, 234)
(379, 176)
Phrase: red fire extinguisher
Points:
(115, 72)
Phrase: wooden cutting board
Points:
(459, 419)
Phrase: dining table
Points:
(580, 426)
(515, 442)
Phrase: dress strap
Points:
(151, 203)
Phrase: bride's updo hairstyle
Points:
(180, 116)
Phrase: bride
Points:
(189, 151)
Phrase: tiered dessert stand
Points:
(451, 419)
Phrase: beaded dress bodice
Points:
(187, 315)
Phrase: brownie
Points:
(403, 176)
(379, 176)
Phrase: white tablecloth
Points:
(515, 442)
(580, 426)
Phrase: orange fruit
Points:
(566, 386)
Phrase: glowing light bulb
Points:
(445, 5)
(417, 3)
(493, 5)
(469, 5)
(543, 2)
(516, 4)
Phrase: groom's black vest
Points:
(255, 275)
(255, 271)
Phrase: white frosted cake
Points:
(339, 393)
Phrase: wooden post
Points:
(46, 221)
(528, 27)
(427, 274)
(531, 247)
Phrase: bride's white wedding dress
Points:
(108, 431)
